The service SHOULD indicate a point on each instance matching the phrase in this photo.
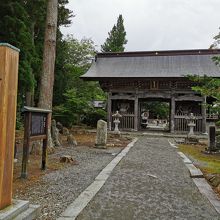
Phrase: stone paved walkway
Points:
(132, 193)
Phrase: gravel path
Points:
(151, 182)
(56, 190)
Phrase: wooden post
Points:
(203, 111)
(172, 115)
(45, 143)
(44, 155)
(8, 100)
(27, 126)
(136, 113)
(109, 112)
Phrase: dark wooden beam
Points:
(109, 111)
(203, 110)
(136, 113)
(172, 114)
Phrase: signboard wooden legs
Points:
(27, 125)
(8, 98)
(35, 128)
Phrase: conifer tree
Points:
(116, 39)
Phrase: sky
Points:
(150, 24)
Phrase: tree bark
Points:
(47, 77)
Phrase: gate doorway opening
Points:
(154, 114)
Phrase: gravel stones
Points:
(56, 190)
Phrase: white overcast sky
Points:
(150, 24)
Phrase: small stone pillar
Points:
(212, 139)
(101, 136)
(55, 134)
(116, 122)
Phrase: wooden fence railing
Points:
(126, 122)
(212, 116)
(181, 123)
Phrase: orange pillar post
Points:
(9, 57)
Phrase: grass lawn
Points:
(209, 164)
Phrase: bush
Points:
(217, 123)
(92, 117)
(19, 121)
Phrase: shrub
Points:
(91, 118)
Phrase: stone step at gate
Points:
(20, 210)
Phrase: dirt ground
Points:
(83, 138)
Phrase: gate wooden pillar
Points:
(109, 112)
(172, 114)
(203, 111)
(9, 57)
(136, 113)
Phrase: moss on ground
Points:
(209, 164)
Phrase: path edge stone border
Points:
(76, 207)
(204, 188)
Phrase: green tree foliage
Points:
(209, 86)
(216, 45)
(22, 24)
(15, 29)
(72, 95)
(157, 109)
(116, 39)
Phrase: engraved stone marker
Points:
(101, 136)
(212, 142)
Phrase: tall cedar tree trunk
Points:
(47, 78)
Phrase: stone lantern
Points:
(191, 118)
(116, 121)
(191, 137)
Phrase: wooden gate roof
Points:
(153, 64)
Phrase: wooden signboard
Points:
(35, 128)
(9, 57)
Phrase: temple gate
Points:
(131, 77)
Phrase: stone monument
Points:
(212, 139)
(101, 136)
(55, 134)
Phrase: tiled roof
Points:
(153, 64)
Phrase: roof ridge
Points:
(160, 53)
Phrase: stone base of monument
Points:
(211, 151)
(20, 210)
(100, 146)
(117, 133)
(192, 139)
